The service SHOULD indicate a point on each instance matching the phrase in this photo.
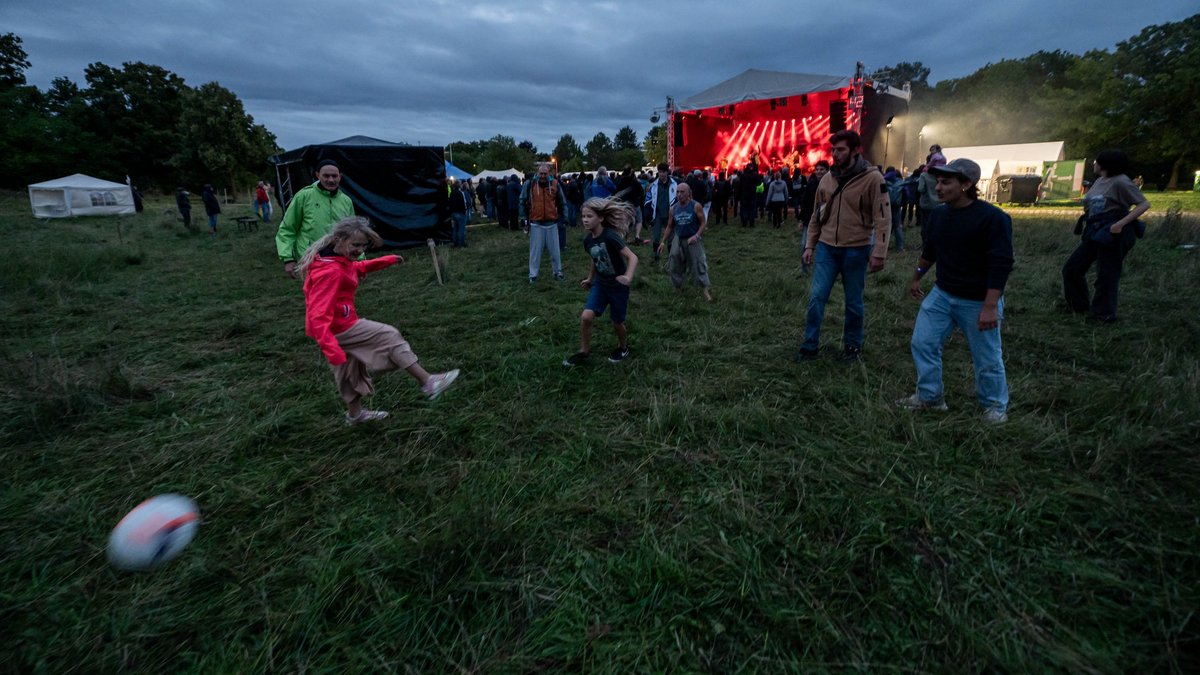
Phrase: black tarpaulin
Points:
(401, 188)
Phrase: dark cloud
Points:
(439, 71)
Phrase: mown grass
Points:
(707, 506)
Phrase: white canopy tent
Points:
(1016, 158)
(499, 174)
(80, 195)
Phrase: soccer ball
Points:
(154, 532)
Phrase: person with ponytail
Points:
(355, 347)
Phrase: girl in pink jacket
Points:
(355, 347)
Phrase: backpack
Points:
(895, 192)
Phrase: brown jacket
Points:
(862, 206)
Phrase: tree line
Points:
(143, 121)
(139, 120)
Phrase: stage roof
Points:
(755, 85)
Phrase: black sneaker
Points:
(805, 355)
(851, 354)
(618, 355)
(575, 359)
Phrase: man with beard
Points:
(541, 205)
(851, 202)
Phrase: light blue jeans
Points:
(940, 314)
(828, 262)
(544, 235)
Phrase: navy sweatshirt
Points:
(972, 248)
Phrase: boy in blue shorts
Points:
(607, 221)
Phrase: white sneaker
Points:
(439, 383)
(993, 416)
(915, 402)
(365, 416)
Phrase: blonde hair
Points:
(341, 231)
(614, 213)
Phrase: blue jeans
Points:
(897, 229)
(544, 235)
(828, 262)
(940, 313)
(459, 235)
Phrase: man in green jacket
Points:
(311, 214)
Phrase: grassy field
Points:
(706, 506)
(1160, 202)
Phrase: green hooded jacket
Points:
(310, 216)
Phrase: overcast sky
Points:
(433, 72)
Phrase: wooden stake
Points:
(437, 269)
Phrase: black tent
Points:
(401, 188)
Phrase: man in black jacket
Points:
(970, 241)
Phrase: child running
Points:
(355, 347)
(613, 264)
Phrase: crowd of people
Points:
(848, 212)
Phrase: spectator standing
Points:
(184, 203)
(851, 203)
(891, 178)
(777, 199)
(722, 191)
(262, 202)
(1109, 230)
(660, 199)
(602, 185)
(541, 205)
(212, 208)
(970, 241)
(807, 199)
(460, 213)
(749, 185)
(926, 190)
(683, 234)
(311, 214)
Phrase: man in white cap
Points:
(970, 241)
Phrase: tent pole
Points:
(437, 269)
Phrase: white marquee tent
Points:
(499, 174)
(80, 195)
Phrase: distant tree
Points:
(655, 144)
(1160, 68)
(912, 72)
(567, 149)
(137, 108)
(220, 143)
(599, 151)
(503, 153)
(626, 139)
(13, 61)
(528, 146)
(571, 165)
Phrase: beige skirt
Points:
(371, 347)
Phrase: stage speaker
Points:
(837, 116)
(804, 99)
(679, 130)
